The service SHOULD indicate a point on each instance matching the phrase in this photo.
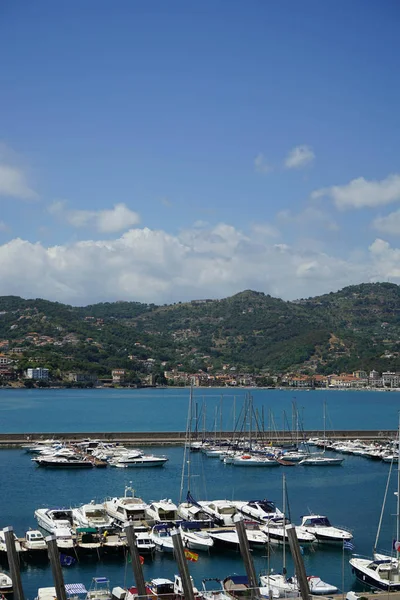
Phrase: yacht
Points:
(194, 537)
(229, 537)
(63, 462)
(88, 541)
(259, 510)
(145, 460)
(321, 461)
(288, 587)
(161, 588)
(162, 512)
(249, 460)
(222, 511)
(52, 519)
(126, 508)
(325, 533)
(161, 537)
(92, 515)
(382, 572)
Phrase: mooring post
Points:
(13, 561)
(56, 570)
(136, 564)
(182, 565)
(246, 556)
(298, 562)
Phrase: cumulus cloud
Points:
(119, 218)
(13, 178)
(361, 193)
(389, 224)
(261, 165)
(154, 266)
(299, 157)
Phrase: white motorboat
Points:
(382, 572)
(277, 582)
(3, 549)
(160, 588)
(164, 511)
(6, 584)
(276, 531)
(321, 461)
(145, 460)
(178, 588)
(88, 540)
(128, 508)
(34, 543)
(144, 542)
(194, 537)
(161, 537)
(229, 537)
(237, 586)
(92, 515)
(259, 510)
(51, 519)
(251, 460)
(222, 511)
(192, 512)
(320, 526)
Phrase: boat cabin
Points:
(315, 521)
(161, 587)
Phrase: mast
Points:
(398, 488)
(186, 451)
(284, 523)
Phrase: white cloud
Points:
(265, 230)
(119, 218)
(13, 179)
(361, 193)
(154, 266)
(308, 218)
(299, 157)
(261, 164)
(389, 224)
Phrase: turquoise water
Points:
(350, 495)
(166, 409)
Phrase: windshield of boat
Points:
(317, 522)
(167, 515)
(95, 513)
(226, 510)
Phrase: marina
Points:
(349, 495)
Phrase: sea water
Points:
(350, 495)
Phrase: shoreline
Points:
(201, 387)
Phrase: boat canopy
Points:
(191, 524)
(317, 521)
(163, 526)
(86, 530)
(75, 588)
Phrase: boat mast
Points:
(186, 451)
(284, 523)
(398, 488)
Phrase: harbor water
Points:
(350, 495)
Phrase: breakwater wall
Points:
(173, 438)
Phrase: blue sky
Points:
(162, 151)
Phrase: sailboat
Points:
(383, 571)
(320, 460)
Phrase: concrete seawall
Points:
(173, 438)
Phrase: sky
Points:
(166, 151)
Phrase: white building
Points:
(37, 373)
(391, 379)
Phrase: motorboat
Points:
(222, 511)
(100, 589)
(161, 537)
(145, 460)
(113, 542)
(145, 543)
(288, 587)
(3, 549)
(178, 588)
(238, 588)
(213, 593)
(194, 537)
(6, 584)
(88, 540)
(249, 460)
(259, 510)
(320, 526)
(63, 462)
(92, 515)
(51, 519)
(276, 531)
(279, 583)
(321, 461)
(191, 510)
(35, 544)
(229, 537)
(162, 511)
(128, 508)
(161, 588)
(383, 572)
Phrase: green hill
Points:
(355, 328)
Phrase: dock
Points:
(177, 438)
